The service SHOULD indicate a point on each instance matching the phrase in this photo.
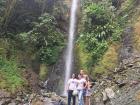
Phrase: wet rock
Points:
(130, 65)
(2, 102)
(33, 79)
(58, 99)
(127, 44)
(121, 83)
(5, 101)
(49, 95)
(137, 96)
(110, 93)
(28, 98)
(58, 103)
(105, 98)
(134, 82)
(102, 83)
(37, 103)
(4, 94)
(13, 103)
(98, 101)
(121, 68)
(53, 99)
(127, 97)
(48, 101)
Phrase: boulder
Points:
(110, 93)
(105, 98)
(4, 94)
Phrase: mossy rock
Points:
(137, 35)
(43, 72)
(108, 62)
(2, 51)
(82, 57)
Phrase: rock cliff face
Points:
(124, 81)
(56, 72)
(68, 2)
(121, 86)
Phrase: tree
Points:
(46, 39)
(99, 28)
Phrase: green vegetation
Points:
(43, 72)
(109, 61)
(30, 31)
(31, 28)
(10, 76)
(128, 13)
(34, 31)
(137, 35)
(45, 38)
(83, 57)
(128, 4)
(100, 28)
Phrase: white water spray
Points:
(70, 46)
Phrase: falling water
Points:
(69, 52)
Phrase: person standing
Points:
(84, 75)
(80, 88)
(88, 91)
(71, 86)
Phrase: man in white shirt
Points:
(72, 85)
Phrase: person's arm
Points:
(76, 83)
(91, 84)
(85, 83)
(68, 84)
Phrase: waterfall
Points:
(70, 46)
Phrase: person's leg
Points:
(84, 96)
(69, 97)
(87, 100)
(74, 100)
(80, 97)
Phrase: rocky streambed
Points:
(27, 98)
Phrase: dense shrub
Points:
(10, 76)
(46, 39)
(99, 28)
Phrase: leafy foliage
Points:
(137, 35)
(108, 62)
(100, 28)
(10, 75)
(43, 72)
(2, 6)
(30, 31)
(46, 39)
